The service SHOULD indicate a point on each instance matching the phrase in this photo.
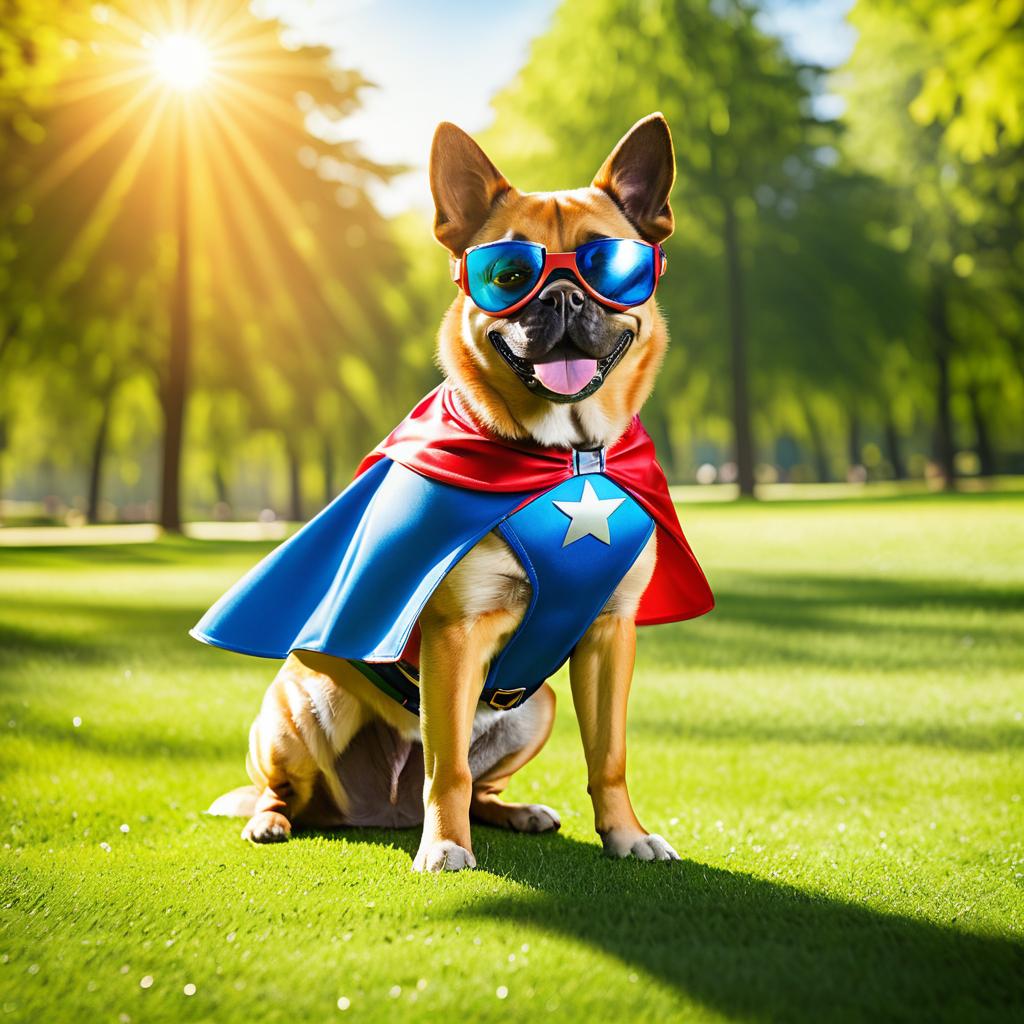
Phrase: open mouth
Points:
(570, 376)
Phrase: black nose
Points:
(565, 297)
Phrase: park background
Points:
(218, 289)
(845, 292)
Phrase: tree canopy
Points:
(844, 292)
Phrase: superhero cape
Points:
(352, 582)
(439, 439)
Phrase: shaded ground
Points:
(837, 752)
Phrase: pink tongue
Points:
(565, 376)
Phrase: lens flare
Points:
(182, 61)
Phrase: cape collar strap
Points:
(588, 460)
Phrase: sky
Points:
(442, 60)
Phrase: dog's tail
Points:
(239, 803)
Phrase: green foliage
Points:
(37, 44)
(973, 83)
(934, 108)
(732, 97)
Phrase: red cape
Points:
(439, 440)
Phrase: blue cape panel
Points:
(570, 583)
(350, 583)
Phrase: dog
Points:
(564, 372)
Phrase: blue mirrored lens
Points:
(501, 274)
(620, 269)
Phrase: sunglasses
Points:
(502, 277)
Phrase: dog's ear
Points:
(465, 185)
(639, 175)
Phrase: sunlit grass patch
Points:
(836, 752)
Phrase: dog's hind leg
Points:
(305, 721)
(239, 803)
(284, 772)
(515, 738)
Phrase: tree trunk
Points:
(944, 450)
(10, 330)
(99, 451)
(295, 486)
(3, 448)
(942, 342)
(657, 426)
(175, 384)
(738, 353)
(328, 455)
(982, 438)
(220, 486)
(892, 444)
(853, 453)
(818, 448)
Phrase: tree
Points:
(935, 108)
(287, 250)
(738, 108)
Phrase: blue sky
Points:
(814, 30)
(437, 60)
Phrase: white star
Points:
(589, 515)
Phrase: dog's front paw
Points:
(267, 827)
(643, 847)
(443, 855)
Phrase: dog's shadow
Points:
(742, 945)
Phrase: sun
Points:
(182, 61)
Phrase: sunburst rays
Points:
(88, 143)
(88, 239)
(114, 102)
(283, 207)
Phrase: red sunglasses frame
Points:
(556, 261)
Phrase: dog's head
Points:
(565, 367)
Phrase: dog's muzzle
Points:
(524, 369)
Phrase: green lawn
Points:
(836, 753)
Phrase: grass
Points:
(836, 752)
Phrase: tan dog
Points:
(328, 747)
